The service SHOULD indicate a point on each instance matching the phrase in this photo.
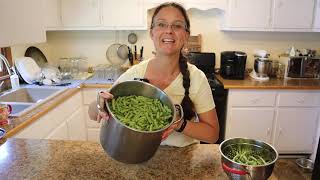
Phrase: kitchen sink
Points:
(20, 109)
(24, 100)
(29, 95)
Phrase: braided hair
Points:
(186, 103)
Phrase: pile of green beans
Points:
(141, 113)
(248, 156)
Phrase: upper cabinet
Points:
(52, 11)
(21, 22)
(270, 15)
(248, 14)
(188, 4)
(120, 15)
(84, 13)
(293, 13)
(316, 23)
(94, 15)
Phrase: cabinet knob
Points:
(301, 100)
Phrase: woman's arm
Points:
(207, 129)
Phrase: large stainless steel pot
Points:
(124, 143)
(262, 67)
(237, 171)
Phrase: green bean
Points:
(141, 113)
(248, 156)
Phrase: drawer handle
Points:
(301, 100)
(255, 101)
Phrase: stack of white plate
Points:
(28, 69)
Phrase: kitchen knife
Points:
(141, 53)
(130, 56)
(135, 52)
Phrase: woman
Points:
(183, 82)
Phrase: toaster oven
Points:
(301, 67)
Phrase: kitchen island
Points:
(57, 159)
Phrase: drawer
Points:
(251, 98)
(301, 98)
(90, 95)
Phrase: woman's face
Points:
(168, 32)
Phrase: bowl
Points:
(305, 164)
(229, 148)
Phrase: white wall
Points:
(93, 44)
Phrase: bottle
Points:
(14, 81)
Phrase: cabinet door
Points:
(255, 123)
(249, 14)
(52, 17)
(84, 13)
(60, 133)
(76, 125)
(295, 130)
(293, 13)
(124, 15)
(317, 16)
(21, 22)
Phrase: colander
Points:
(238, 171)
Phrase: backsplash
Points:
(94, 44)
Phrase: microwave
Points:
(301, 67)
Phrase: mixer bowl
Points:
(262, 67)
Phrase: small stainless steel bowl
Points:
(305, 164)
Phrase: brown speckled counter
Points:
(273, 83)
(49, 159)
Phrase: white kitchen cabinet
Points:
(60, 133)
(52, 15)
(286, 119)
(84, 13)
(295, 130)
(255, 123)
(249, 14)
(293, 14)
(93, 128)
(66, 119)
(124, 15)
(21, 22)
(316, 24)
(76, 125)
(269, 15)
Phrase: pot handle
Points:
(100, 103)
(234, 171)
(179, 108)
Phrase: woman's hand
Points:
(170, 129)
(96, 114)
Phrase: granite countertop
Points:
(272, 83)
(56, 159)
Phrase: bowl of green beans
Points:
(139, 114)
(243, 158)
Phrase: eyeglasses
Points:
(176, 26)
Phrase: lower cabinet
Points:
(254, 123)
(93, 128)
(295, 129)
(287, 119)
(66, 121)
(60, 133)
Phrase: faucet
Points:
(6, 63)
(11, 71)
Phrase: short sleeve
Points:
(203, 100)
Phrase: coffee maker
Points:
(233, 64)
